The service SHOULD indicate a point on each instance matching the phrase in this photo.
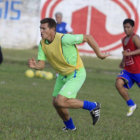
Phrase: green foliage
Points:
(26, 111)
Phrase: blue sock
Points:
(69, 124)
(89, 105)
(130, 102)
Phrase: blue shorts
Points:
(129, 78)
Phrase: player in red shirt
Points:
(130, 64)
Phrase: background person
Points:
(1, 56)
(62, 27)
(130, 64)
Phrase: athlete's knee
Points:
(60, 101)
(119, 83)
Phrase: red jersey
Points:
(132, 63)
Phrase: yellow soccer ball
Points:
(49, 76)
(42, 74)
(29, 73)
(37, 73)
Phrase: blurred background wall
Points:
(19, 21)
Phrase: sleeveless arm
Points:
(93, 44)
(136, 40)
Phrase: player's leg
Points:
(121, 89)
(62, 112)
(123, 83)
(93, 107)
(67, 95)
(62, 101)
(136, 77)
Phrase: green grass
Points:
(26, 111)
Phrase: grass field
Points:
(26, 111)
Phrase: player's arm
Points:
(93, 44)
(136, 40)
(122, 64)
(40, 64)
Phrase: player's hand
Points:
(104, 55)
(126, 53)
(32, 63)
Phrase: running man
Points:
(62, 54)
(130, 64)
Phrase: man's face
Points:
(58, 18)
(128, 29)
(45, 31)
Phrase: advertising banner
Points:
(20, 19)
(101, 18)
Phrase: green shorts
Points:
(69, 85)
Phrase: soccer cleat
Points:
(95, 113)
(65, 129)
(131, 110)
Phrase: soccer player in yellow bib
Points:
(61, 52)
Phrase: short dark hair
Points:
(130, 21)
(51, 22)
